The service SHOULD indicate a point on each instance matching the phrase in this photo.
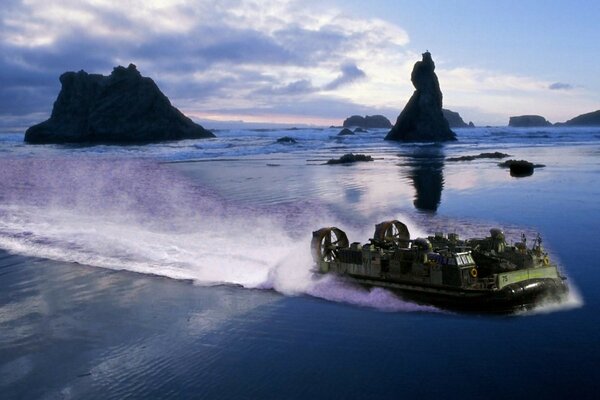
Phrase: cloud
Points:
(560, 86)
(350, 73)
(300, 87)
(203, 55)
(224, 57)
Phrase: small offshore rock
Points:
(360, 130)
(495, 154)
(520, 168)
(349, 158)
(345, 132)
(287, 140)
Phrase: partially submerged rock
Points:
(360, 130)
(495, 154)
(287, 140)
(345, 132)
(124, 107)
(350, 158)
(520, 168)
(368, 122)
(528, 121)
(422, 119)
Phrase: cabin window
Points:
(464, 259)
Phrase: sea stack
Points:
(422, 119)
(121, 108)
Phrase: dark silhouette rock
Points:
(368, 122)
(287, 140)
(471, 124)
(124, 107)
(349, 158)
(360, 130)
(528, 121)
(345, 132)
(520, 168)
(422, 119)
(454, 119)
(589, 119)
(495, 154)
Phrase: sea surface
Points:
(183, 269)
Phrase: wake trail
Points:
(144, 217)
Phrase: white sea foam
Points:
(253, 252)
(571, 301)
(93, 213)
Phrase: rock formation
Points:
(368, 122)
(345, 132)
(422, 119)
(520, 168)
(495, 154)
(287, 140)
(124, 107)
(528, 121)
(455, 120)
(589, 119)
(349, 159)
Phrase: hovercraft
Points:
(480, 275)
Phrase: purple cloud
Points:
(560, 86)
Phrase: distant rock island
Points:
(422, 119)
(368, 122)
(455, 120)
(124, 107)
(589, 119)
(528, 121)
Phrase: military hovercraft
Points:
(482, 275)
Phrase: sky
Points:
(308, 61)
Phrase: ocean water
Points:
(184, 270)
